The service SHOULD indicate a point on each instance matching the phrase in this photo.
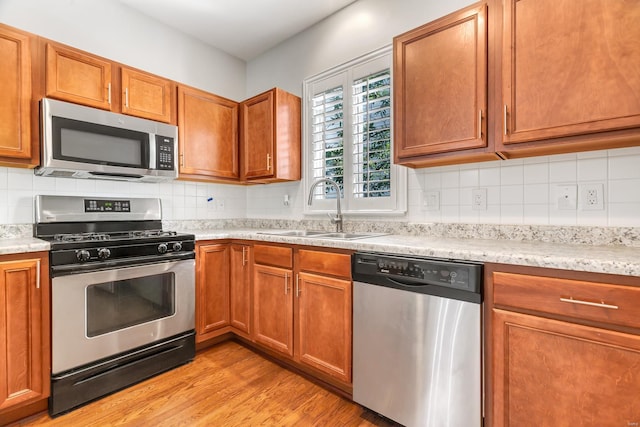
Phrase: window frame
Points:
(346, 74)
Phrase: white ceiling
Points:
(243, 28)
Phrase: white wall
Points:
(181, 200)
(357, 29)
(108, 28)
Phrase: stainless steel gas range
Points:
(122, 295)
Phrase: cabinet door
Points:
(258, 143)
(273, 308)
(208, 135)
(324, 319)
(240, 288)
(24, 332)
(440, 85)
(212, 299)
(553, 373)
(15, 87)
(77, 77)
(145, 95)
(569, 68)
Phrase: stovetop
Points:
(105, 232)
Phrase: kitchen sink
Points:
(295, 233)
(349, 236)
(322, 234)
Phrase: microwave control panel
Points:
(165, 155)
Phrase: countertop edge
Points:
(587, 258)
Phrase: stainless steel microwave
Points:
(84, 142)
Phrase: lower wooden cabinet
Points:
(562, 350)
(212, 290)
(240, 288)
(273, 308)
(292, 302)
(25, 367)
(324, 324)
(549, 372)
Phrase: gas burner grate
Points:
(151, 233)
(80, 237)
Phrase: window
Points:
(348, 137)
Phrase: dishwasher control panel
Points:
(426, 270)
(416, 272)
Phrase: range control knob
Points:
(83, 255)
(162, 248)
(104, 253)
(177, 246)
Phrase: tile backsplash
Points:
(530, 191)
(521, 191)
(181, 200)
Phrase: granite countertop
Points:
(612, 259)
(621, 260)
(18, 245)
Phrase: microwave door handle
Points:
(152, 151)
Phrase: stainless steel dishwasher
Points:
(417, 339)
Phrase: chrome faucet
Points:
(337, 220)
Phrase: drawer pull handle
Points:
(593, 304)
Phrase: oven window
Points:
(120, 304)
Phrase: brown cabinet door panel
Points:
(145, 95)
(325, 326)
(24, 336)
(570, 67)
(74, 76)
(15, 87)
(440, 85)
(273, 308)
(552, 373)
(212, 288)
(240, 288)
(207, 134)
(258, 139)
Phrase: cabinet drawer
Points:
(600, 302)
(273, 255)
(325, 263)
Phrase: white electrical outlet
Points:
(479, 199)
(220, 204)
(566, 197)
(431, 200)
(591, 197)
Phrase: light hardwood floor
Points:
(226, 385)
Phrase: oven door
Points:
(102, 313)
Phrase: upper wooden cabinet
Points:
(76, 76)
(145, 95)
(207, 135)
(18, 121)
(440, 91)
(24, 334)
(570, 77)
(270, 137)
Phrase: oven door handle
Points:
(65, 270)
